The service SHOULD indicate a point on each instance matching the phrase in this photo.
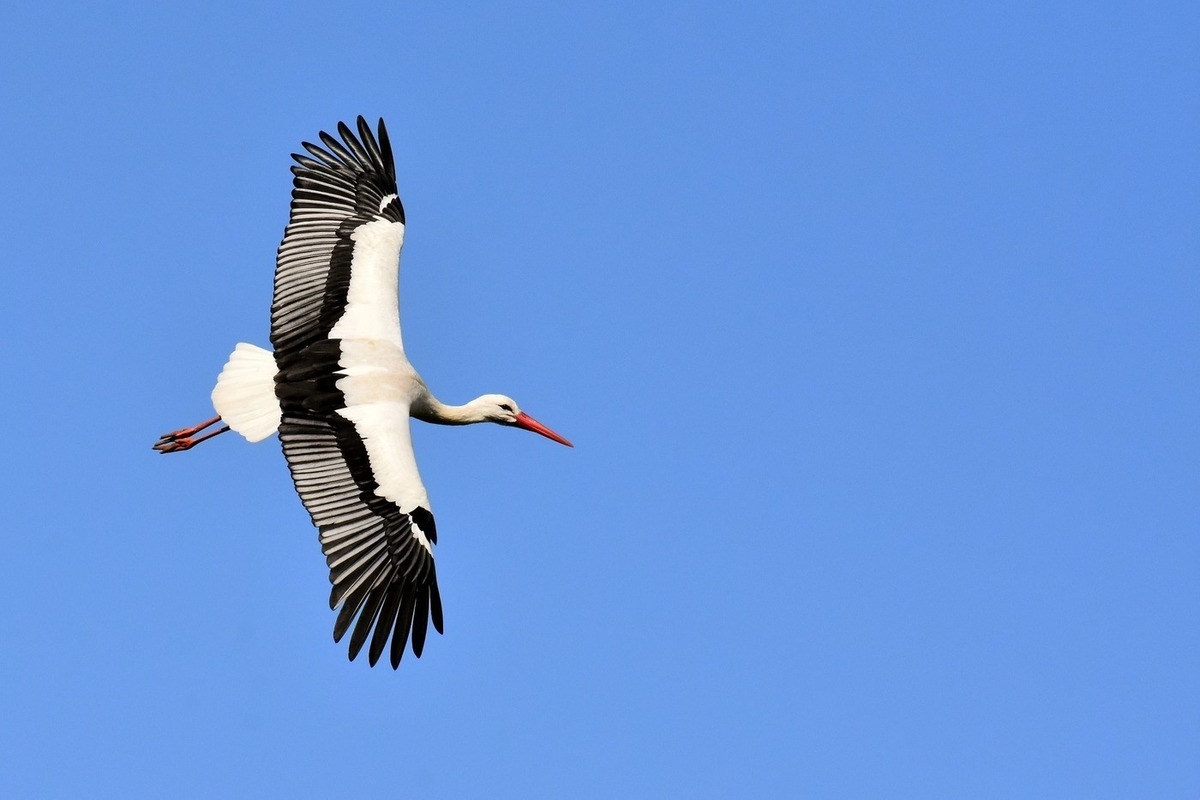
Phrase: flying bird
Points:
(339, 390)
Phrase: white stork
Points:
(339, 390)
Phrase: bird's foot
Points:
(185, 439)
(170, 443)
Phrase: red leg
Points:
(180, 440)
(192, 431)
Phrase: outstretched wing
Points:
(345, 213)
(380, 558)
(344, 427)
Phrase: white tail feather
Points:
(245, 392)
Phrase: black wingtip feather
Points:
(330, 141)
(420, 622)
(385, 145)
(435, 605)
(352, 603)
(367, 137)
(326, 159)
(366, 621)
(360, 153)
(386, 622)
(400, 634)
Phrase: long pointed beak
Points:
(527, 422)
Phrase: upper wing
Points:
(345, 213)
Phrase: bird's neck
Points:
(430, 409)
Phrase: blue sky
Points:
(876, 328)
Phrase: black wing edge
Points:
(380, 573)
(365, 153)
(398, 609)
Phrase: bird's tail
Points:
(245, 392)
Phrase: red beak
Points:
(527, 422)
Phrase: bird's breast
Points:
(376, 371)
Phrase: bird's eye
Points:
(506, 407)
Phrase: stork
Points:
(339, 390)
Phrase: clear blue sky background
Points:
(877, 329)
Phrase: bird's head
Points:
(505, 411)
